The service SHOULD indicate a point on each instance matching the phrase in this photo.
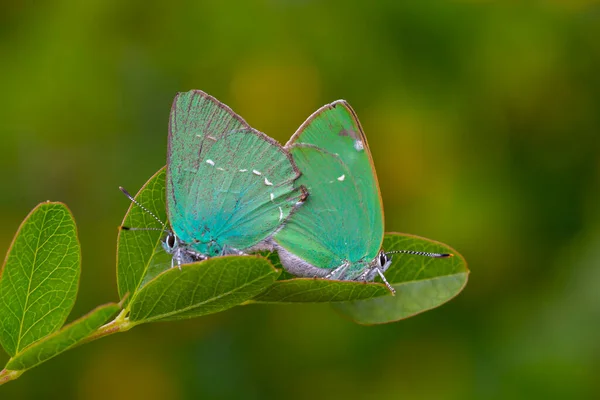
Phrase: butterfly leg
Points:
(391, 289)
(179, 257)
(369, 276)
(178, 262)
(338, 273)
(176, 258)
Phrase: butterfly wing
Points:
(342, 218)
(226, 182)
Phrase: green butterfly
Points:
(229, 187)
(337, 233)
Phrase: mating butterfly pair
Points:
(234, 190)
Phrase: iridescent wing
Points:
(228, 185)
(342, 219)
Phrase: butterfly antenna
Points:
(134, 201)
(386, 282)
(412, 252)
(127, 228)
(420, 253)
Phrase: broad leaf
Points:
(40, 276)
(60, 341)
(202, 288)
(289, 289)
(140, 256)
(310, 290)
(421, 283)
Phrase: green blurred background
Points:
(483, 120)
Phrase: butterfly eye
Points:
(171, 241)
(382, 259)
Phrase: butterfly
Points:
(338, 231)
(229, 187)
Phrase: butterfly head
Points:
(377, 267)
(383, 261)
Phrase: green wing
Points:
(226, 182)
(342, 219)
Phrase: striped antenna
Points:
(420, 253)
(134, 201)
(412, 252)
(127, 228)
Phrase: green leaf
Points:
(58, 342)
(39, 279)
(421, 283)
(288, 289)
(140, 256)
(202, 288)
(311, 290)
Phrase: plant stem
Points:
(119, 324)
(7, 375)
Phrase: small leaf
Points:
(39, 279)
(202, 288)
(421, 283)
(64, 339)
(140, 256)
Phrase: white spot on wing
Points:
(220, 169)
(268, 183)
(255, 172)
(243, 170)
(358, 145)
(280, 213)
(211, 162)
(272, 197)
(341, 178)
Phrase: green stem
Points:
(119, 324)
(6, 375)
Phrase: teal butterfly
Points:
(229, 187)
(338, 231)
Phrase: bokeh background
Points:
(484, 123)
